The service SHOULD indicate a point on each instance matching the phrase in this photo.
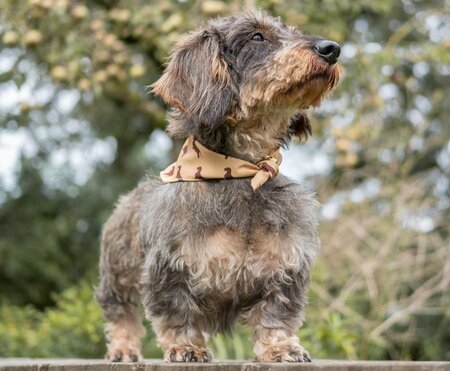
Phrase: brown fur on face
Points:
(201, 256)
(295, 77)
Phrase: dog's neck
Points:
(253, 139)
(248, 139)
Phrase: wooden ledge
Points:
(27, 364)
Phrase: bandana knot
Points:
(269, 168)
(196, 162)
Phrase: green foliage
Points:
(74, 325)
(73, 328)
(330, 336)
(18, 330)
(236, 347)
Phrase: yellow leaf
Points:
(33, 37)
(10, 38)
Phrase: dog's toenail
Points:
(134, 358)
(118, 357)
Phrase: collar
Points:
(196, 162)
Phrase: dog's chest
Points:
(226, 239)
(227, 261)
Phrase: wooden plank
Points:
(24, 364)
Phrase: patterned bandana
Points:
(196, 162)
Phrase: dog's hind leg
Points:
(117, 292)
(123, 333)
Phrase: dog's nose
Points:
(328, 50)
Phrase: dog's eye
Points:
(258, 37)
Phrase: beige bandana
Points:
(196, 162)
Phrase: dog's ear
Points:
(197, 80)
(300, 126)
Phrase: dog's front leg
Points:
(278, 345)
(181, 344)
(174, 313)
(275, 321)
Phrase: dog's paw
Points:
(128, 355)
(292, 353)
(186, 353)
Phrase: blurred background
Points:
(78, 128)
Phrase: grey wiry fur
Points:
(204, 255)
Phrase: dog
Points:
(203, 252)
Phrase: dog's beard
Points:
(305, 82)
(310, 89)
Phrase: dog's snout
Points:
(328, 50)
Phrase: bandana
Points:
(196, 162)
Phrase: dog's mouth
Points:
(310, 90)
(299, 85)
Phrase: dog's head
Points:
(248, 68)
